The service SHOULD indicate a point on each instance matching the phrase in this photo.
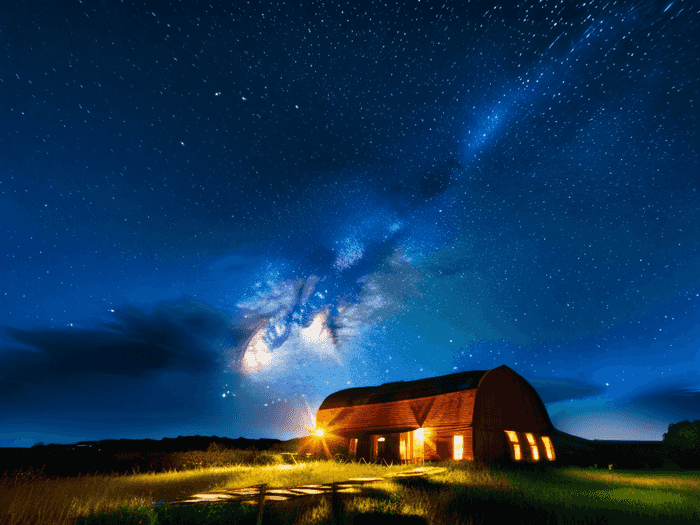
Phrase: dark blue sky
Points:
(216, 214)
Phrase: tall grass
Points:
(464, 494)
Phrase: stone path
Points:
(251, 494)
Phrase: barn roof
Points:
(401, 390)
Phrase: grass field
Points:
(464, 494)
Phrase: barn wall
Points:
(490, 445)
(506, 401)
(445, 439)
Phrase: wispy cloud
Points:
(137, 344)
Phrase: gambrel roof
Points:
(402, 390)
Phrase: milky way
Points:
(233, 211)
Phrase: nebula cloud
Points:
(314, 319)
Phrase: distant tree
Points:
(39, 444)
(216, 448)
(682, 443)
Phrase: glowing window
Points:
(381, 439)
(418, 449)
(533, 446)
(513, 437)
(459, 447)
(353, 446)
(549, 448)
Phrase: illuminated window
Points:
(549, 448)
(353, 446)
(381, 439)
(513, 437)
(533, 446)
(418, 449)
(402, 447)
(459, 447)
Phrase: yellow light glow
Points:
(458, 447)
(549, 448)
(319, 432)
(418, 445)
(382, 439)
(513, 437)
(516, 452)
(533, 447)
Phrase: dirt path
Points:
(251, 494)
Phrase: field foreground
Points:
(463, 494)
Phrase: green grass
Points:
(464, 494)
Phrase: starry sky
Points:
(215, 214)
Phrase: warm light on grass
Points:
(662, 497)
(40, 500)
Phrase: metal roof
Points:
(401, 390)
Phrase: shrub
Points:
(682, 443)
(123, 516)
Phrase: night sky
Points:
(215, 214)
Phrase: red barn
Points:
(480, 415)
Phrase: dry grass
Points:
(464, 494)
(26, 497)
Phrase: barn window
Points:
(533, 446)
(458, 447)
(549, 448)
(418, 448)
(353, 446)
(513, 437)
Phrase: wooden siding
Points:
(444, 440)
(451, 412)
(506, 401)
(490, 445)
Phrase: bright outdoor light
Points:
(319, 432)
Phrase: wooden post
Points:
(261, 502)
(336, 509)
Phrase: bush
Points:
(123, 516)
(682, 444)
(217, 456)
